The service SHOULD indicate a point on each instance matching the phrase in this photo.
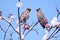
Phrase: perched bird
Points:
(41, 18)
(40, 14)
(25, 15)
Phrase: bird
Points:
(25, 15)
(41, 18)
(40, 14)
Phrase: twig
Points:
(9, 24)
(19, 22)
(2, 28)
(31, 28)
(35, 31)
(51, 34)
(23, 31)
(56, 32)
(57, 12)
(4, 31)
(11, 36)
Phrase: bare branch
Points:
(9, 24)
(11, 36)
(4, 31)
(55, 33)
(31, 28)
(2, 28)
(19, 22)
(51, 34)
(57, 12)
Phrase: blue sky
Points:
(47, 6)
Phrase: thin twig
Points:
(35, 31)
(9, 24)
(23, 31)
(51, 34)
(11, 36)
(57, 12)
(5, 31)
(2, 29)
(56, 32)
(31, 28)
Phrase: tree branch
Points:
(2, 28)
(31, 28)
(51, 34)
(19, 21)
(9, 24)
(55, 32)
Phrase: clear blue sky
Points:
(48, 7)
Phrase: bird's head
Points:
(28, 10)
(39, 11)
